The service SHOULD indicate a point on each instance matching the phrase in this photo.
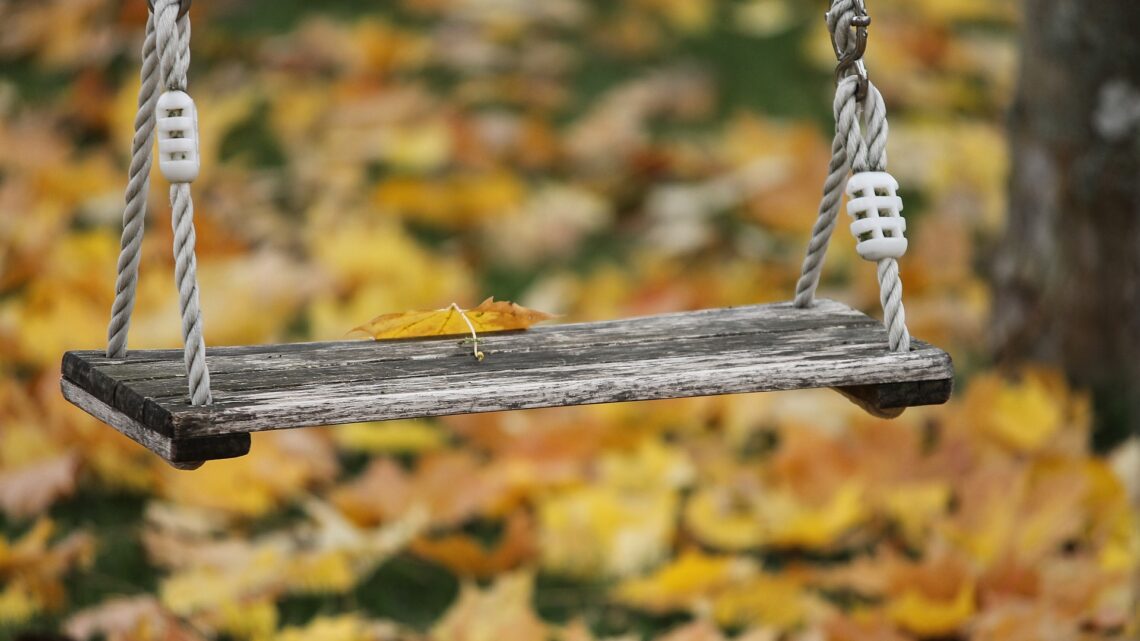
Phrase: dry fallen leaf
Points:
(453, 486)
(32, 489)
(502, 610)
(733, 590)
(468, 557)
(233, 582)
(489, 316)
(123, 618)
(34, 569)
(684, 582)
(931, 598)
(281, 464)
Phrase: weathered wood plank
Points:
(751, 319)
(185, 453)
(745, 349)
(460, 362)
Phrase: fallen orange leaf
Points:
(467, 557)
(489, 316)
(934, 597)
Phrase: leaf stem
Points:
(479, 356)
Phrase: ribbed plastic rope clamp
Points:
(876, 210)
(176, 127)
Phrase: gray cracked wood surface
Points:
(718, 351)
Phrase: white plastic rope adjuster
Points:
(176, 127)
(876, 208)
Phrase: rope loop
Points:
(859, 146)
(847, 22)
(166, 59)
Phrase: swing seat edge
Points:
(753, 348)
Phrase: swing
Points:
(233, 391)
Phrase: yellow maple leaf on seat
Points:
(489, 316)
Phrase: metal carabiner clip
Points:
(183, 7)
(860, 73)
(854, 57)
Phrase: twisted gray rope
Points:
(851, 151)
(890, 284)
(134, 214)
(824, 224)
(839, 23)
(185, 268)
(173, 38)
(167, 51)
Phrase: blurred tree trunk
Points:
(1067, 274)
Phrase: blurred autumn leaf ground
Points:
(593, 159)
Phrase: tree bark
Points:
(1067, 274)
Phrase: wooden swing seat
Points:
(756, 348)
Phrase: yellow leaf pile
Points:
(33, 568)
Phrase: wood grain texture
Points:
(183, 454)
(719, 351)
